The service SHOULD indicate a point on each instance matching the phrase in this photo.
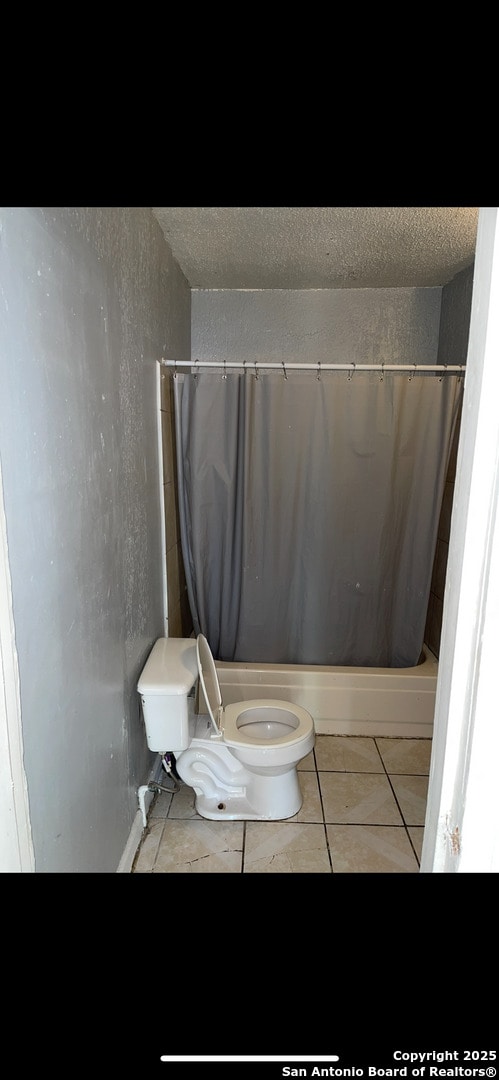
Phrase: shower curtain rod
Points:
(245, 365)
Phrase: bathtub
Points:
(393, 702)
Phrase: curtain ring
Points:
(174, 369)
(284, 369)
(443, 373)
(256, 371)
(244, 367)
(318, 371)
(382, 372)
(350, 373)
(196, 369)
(412, 374)
(224, 373)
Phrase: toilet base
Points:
(225, 789)
(275, 804)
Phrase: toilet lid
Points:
(209, 680)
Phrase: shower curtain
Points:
(309, 511)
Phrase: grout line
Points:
(406, 827)
(416, 856)
(324, 825)
(243, 854)
(329, 852)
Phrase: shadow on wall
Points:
(179, 615)
(433, 628)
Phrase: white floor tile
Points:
(200, 847)
(405, 755)
(371, 849)
(358, 798)
(347, 754)
(416, 833)
(285, 848)
(411, 792)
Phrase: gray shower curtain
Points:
(309, 510)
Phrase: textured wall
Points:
(326, 325)
(90, 298)
(455, 319)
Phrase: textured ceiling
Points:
(319, 247)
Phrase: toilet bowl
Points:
(240, 758)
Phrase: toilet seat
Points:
(239, 719)
(267, 726)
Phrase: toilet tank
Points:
(167, 688)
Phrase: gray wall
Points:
(351, 326)
(452, 349)
(455, 319)
(90, 297)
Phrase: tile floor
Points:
(363, 812)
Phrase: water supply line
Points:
(168, 764)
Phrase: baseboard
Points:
(137, 830)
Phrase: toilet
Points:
(240, 758)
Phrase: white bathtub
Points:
(344, 701)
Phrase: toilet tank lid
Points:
(171, 667)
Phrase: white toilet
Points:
(240, 759)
